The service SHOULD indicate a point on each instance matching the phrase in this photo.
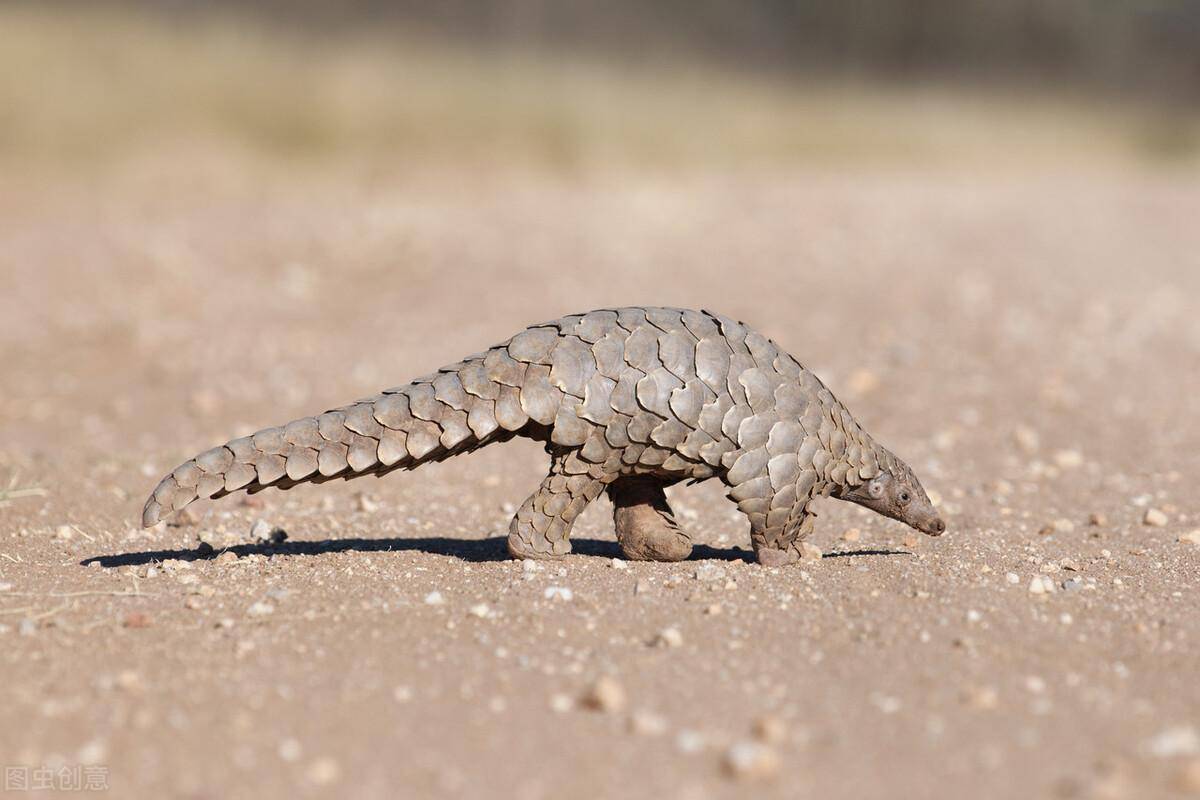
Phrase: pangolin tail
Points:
(460, 408)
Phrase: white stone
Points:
(1155, 518)
(751, 761)
(1179, 740)
(668, 637)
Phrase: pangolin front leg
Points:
(646, 527)
(780, 547)
(542, 525)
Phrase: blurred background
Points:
(578, 85)
(974, 219)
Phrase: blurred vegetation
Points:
(1143, 45)
(83, 82)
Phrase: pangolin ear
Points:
(875, 488)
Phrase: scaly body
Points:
(628, 401)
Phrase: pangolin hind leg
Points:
(542, 525)
(646, 528)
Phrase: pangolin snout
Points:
(935, 527)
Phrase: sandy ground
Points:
(1028, 342)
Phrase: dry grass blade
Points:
(11, 492)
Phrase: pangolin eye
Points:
(904, 498)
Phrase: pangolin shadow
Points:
(471, 550)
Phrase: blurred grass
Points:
(94, 86)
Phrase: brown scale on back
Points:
(628, 401)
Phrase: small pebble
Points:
(1068, 459)
(261, 609)
(480, 610)
(94, 752)
(5, 587)
(605, 694)
(1012, 577)
(208, 541)
(64, 533)
(402, 694)
(290, 750)
(367, 504)
(984, 698)
(1190, 538)
(668, 637)
(188, 516)
(647, 723)
(1041, 584)
(862, 381)
(136, 619)
(561, 703)
(810, 552)
(751, 761)
(558, 593)
(434, 599)
(770, 729)
(1026, 438)
(1180, 740)
(886, 703)
(689, 741)
(618, 563)
(709, 571)
(1097, 520)
(264, 533)
(324, 771)
(1154, 518)
(851, 535)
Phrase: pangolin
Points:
(627, 401)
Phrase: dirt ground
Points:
(1027, 340)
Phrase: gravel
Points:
(710, 571)
(261, 609)
(415, 268)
